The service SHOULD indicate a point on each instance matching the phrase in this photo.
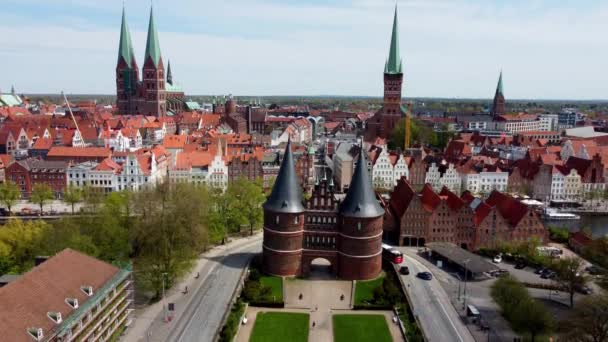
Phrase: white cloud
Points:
(449, 48)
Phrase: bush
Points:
(558, 234)
(254, 274)
(234, 319)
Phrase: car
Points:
(594, 270)
(425, 275)
(548, 275)
(404, 270)
(520, 265)
(540, 270)
(497, 259)
(584, 289)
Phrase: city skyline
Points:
(337, 48)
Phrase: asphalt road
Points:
(438, 318)
(203, 314)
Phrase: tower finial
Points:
(152, 45)
(393, 64)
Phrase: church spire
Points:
(393, 64)
(125, 48)
(169, 76)
(499, 86)
(286, 195)
(152, 45)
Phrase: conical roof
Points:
(393, 64)
(152, 45)
(360, 200)
(125, 48)
(169, 75)
(286, 195)
(499, 86)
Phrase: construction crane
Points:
(79, 142)
(408, 126)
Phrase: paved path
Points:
(438, 318)
(199, 313)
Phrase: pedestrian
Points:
(314, 323)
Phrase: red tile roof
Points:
(430, 200)
(454, 202)
(25, 302)
(43, 144)
(510, 208)
(401, 197)
(63, 151)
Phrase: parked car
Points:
(548, 275)
(404, 270)
(497, 259)
(594, 270)
(540, 270)
(584, 289)
(520, 265)
(425, 275)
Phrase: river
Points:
(598, 224)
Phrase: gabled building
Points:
(30, 172)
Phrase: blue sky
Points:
(450, 48)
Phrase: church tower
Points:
(153, 85)
(393, 80)
(498, 106)
(127, 73)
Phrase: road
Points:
(202, 317)
(198, 314)
(438, 318)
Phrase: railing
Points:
(91, 329)
(120, 296)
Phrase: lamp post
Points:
(464, 305)
(163, 298)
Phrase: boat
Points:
(554, 215)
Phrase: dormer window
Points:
(72, 302)
(36, 333)
(296, 220)
(54, 316)
(276, 219)
(359, 225)
(88, 290)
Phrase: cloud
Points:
(450, 48)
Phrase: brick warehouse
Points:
(347, 234)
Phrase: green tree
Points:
(250, 200)
(72, 196)
(20, 242)
(9, 194)
(41, 194)
(225, 211)
(170, 231)
(530, 316)
(570, 275)
(588, 322)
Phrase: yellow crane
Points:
(408, 126)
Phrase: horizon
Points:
(232, 47)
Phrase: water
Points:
(598, 224)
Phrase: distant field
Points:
(280, 327)
(361, 328)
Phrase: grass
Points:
(364, 291)
(280, 327)
(361, 328)
(276, 284)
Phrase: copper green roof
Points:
(125, 48)
(393, 64)
(152, 45)
(499, 86)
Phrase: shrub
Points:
(559, 234)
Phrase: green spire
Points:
(499, 86)
(125, 49)
(152, 45)
(393, 64)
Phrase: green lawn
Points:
(365, 289)
(280, 327)
(361, 328)
(276, 284)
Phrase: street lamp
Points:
(464, 305)
(164, 274)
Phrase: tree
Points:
(72, 196)
(225, 211)
(41, 194)
(9, 194)
(589, 320)
(531, 317)
(250, 200)
(169, 232)
(20, 242)
(570, 275)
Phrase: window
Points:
(277, 219)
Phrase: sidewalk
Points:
(148, 325)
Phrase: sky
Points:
(547, 49)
